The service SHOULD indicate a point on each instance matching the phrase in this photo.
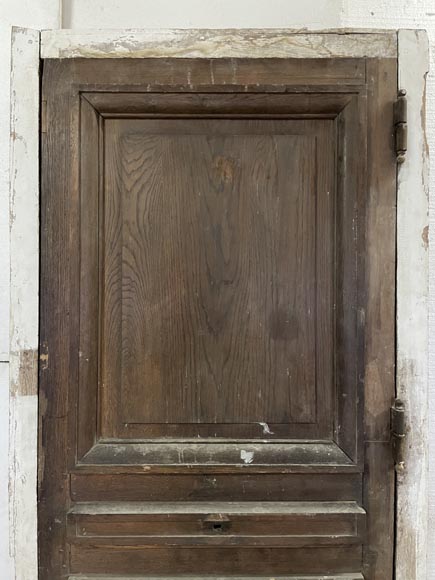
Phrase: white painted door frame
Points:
(28, 46)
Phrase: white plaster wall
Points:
(200, 13)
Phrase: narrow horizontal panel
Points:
(215, 487)
(207, 454)
(206, 43)
(101, 558)
(132, 104)
(272, 75)
(251, 508)
(220, 523)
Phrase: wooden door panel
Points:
(116, 558)
(214, 313)
(220, 523)
(208, 240)
(205, 251)
(119, 487)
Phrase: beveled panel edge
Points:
(215, 43)
(266, 456)
(230, 507)
(257, 105)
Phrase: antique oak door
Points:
(217, 318)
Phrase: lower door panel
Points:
(216, 537)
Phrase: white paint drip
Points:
(266, 428)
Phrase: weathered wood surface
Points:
(181, 43)
(412, 312)
(379, 319)
(98, 557)
(114, 246)
(24, 295)
(253, 508)
(215, 280)
(220, 523)
(222, 455)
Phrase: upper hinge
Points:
(398, 433)
(401, 125)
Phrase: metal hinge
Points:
(401, 125)
(398, 433)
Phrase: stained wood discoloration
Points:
(27, 381)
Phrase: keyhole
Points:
(217, 527)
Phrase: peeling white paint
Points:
(412, 313)
(24, 236)
(180, 43)
(246, 456)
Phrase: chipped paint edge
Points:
(215, 43)
(412, 312)
(24, 278)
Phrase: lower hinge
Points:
(401, 126)
(398, 433)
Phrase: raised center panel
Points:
(217, 278)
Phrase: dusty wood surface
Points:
(252, 508)
(179, 43)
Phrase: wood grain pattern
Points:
(98, 557)
(380, 299)
(205, 251)
(120, 487)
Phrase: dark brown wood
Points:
(201, 228)
(217, 284)
(98, 557)
(245, 524)
(248, 487)
(379, 313)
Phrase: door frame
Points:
(28, 47)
